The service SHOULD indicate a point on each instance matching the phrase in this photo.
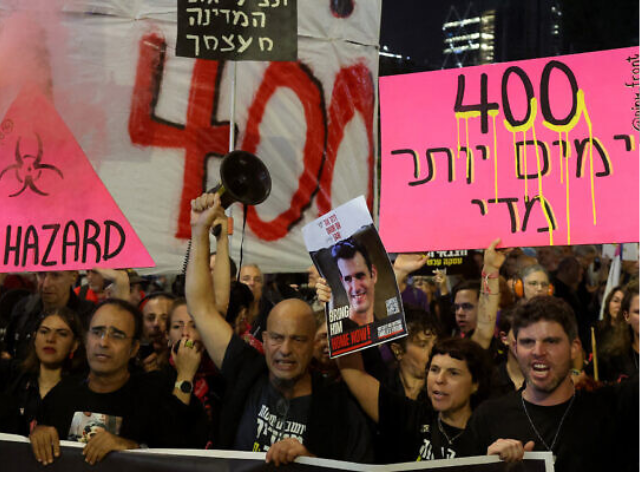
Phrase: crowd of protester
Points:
(513, 357)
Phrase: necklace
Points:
(449, 440)
(555, 438)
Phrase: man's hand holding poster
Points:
(365, 307)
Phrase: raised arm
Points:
(222, 270)
(363, 386)
(120, 279)
(215, 331)
(404, 265)
(489, 295)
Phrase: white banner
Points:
(155, 126)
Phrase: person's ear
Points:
(576, 347)
(474, 387)
(504, 338)
(397, 351)
(135, 346)
(374, 273)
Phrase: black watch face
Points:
(185, 387)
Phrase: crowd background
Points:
(47, 320)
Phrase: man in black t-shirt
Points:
(274, 403)
(111, 409)
(586, 431)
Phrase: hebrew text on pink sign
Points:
(537, 152)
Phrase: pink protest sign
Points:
(56, 212)
(537, 152)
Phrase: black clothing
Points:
(410, 430)
(335, 427)
(9, 415)
(141, 411)
(501, 383)
(619, 367)
(208, 388)
(599, 432)
(23, 388)
(25, 317)
(275, 417)
(393, 382)
(578, 304)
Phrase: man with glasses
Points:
(110, 409)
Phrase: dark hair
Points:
(505, 319)
(126, 307)
(239, 296)
(178, 302)
(151, 296)
(31, 363)
(551, 309)
(606, 316)
(347, 249)
(418, 320)
(620, 338)
(467, 285)
(630, 292)
(476, 358)
(233, 268)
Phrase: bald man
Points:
(273, 403)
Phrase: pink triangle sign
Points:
(56, 212)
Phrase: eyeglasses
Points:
(112, 333)
(535, 284)
(465, 306)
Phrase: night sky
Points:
(414, 27)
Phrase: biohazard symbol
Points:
(28, 169)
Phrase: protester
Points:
(155, 308)
(276, 404)
(618, 351)
(321, 361)
(532, 281)
(252, 276)
(111, 409)
(458, 376)
(192, 374)
(412, 353)
(56, 351)
(612, 307)
(582, 429)
(507, 375)
(54, 290)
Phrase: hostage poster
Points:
(366, 307)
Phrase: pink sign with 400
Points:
(537, 152)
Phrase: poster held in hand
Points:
(366, 307)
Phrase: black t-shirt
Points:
(269, 417)
(142, 411)
(410, 430)
(598, 433)
(329, 421)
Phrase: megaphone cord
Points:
(244, 226)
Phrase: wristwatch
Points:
(184, 386)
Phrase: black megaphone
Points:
(243, 178)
